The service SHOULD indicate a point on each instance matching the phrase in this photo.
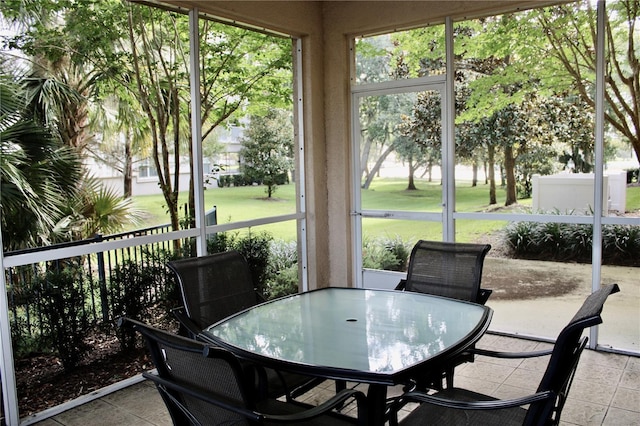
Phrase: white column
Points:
(596, 259)
(448, 135)
(196, 131)
(9, 393)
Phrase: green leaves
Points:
(267, 148)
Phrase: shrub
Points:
(389, 254)
(24, 342)
(127, 289)
(572, 242)
(255, 249)
(621, 244)
(282, 271)
(63, 306)
(400, 251)
(220, 242)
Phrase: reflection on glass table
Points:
(375, 336)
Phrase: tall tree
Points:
(571, 32)
(267, 149)
(379, 115)
(421, 141)
(145, 50)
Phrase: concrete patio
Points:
(606, 390)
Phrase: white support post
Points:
(196, 131)
(300, 169)
(596, 259)
(9, 392)
(448, 135)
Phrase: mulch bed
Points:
(42, 382)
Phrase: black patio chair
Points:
(451, 270)
(447, 269)
(215, 286)
(454, 406)
(205, 385)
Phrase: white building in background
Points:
(144, 179)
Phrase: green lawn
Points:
(244, 203)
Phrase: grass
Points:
(244, 203)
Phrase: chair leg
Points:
(449, 377)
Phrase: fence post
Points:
(102, 282)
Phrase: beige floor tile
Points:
(488, 341)
(476, 385)
(633, 363)
(129, 400)
(508, 362)
(49, 422)
(627, 399)
(583, 413)
(598, 374)
(102, 412)
(510, 344)
(538, 363)
(590, 357)
(630, 379)
(486, 371)
(526, 379)
(588, 391)
(618, 417)
(505, 391)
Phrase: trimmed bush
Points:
(282, 271)
(570, 242)
(390, 254)
(62, 301)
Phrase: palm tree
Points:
(37, 172)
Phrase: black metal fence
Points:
(100, 278)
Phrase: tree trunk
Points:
(491, 153)
(376, 167)
(474, 180)
(192, 193)
(412, 170)
(364, 161)
(510, 174)
(127, 169)
(486, 177)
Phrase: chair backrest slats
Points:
(565, 356)
(447, 269)
(203, 370)
(214, 286)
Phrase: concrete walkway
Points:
(545, 316)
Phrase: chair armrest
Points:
(163, 384)
(477, 404)
(335, 402)
(401, 285)
(315, 411)
(186, 323)
(483, 295)
(509, 355)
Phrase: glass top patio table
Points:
(374, 336)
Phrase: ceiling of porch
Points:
(365, 16)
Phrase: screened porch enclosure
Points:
(341, 201)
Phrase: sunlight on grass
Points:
(250, 202)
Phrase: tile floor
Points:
(606, 390)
